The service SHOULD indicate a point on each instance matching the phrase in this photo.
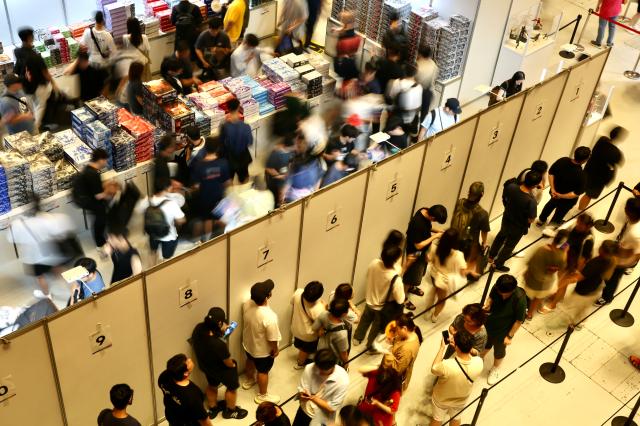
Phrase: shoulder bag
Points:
(391, 309)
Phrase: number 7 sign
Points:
(265, 255)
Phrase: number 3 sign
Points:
(101, 339)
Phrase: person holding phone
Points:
(217, 365)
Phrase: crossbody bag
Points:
(463, 370)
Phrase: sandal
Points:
(635, 361)
(545, 310)
(410, 306)
(416, 290)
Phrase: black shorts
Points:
(308, 347)
(497, 343)
(414, 273)
(263, 365)
(226, 376)
(38, 269)
(594, 186)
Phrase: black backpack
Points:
(79, 193)
(185, 22)
(504, 187)
(155, 222)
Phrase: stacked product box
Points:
(373, 24)
(50, 146)
(43, 176)
(313, 80)
(294, 60)
(202, 100)
(165, 20)
(430, 35)
(65, 174)
(116, 15)
(175, 116)
(102, 3)
(328, 85)
(74, 48)
(79, 119)
(203, 122)
(303, 69)
(16, 170)
(156, 93)
(124, 115)
(414, 31)
(452, 45)
(5, 202)
(124, 150)
(320, 64)
(104, 110)
(77, 29)
(277, 93)
(401, 7)
(142, 132)
(63, 45)
(217, 116)
(153, 7)
(23, 143)
(158, 133)
(250, 109)
(151, 26)
(6, 66)
(98, 136)
(76, 151)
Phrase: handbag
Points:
(391, 309)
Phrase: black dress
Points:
(122, 264)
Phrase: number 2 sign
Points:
(101, 339)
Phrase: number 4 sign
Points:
(7, 388)
(101, 339)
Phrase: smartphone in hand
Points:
(445, 336)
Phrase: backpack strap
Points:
(463, 370)
(433, 117)
(9, 95)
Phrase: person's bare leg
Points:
(584, 202)
(212, 396)
(302, 357)
(441, 294)
(455, 422)
(263, 383)
(43, 284)
(208, 228)
(532, 308)
(250, 369)
(435, 423)
(230, 397)
(497, 362)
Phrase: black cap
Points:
(215, 316)
(261, 291)
(11, 79)
(454, 105)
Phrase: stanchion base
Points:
(622, 421)
(547, 373)
(621, 318)
(566, 54)
(633, 75)
(604, 226)
(579, 48)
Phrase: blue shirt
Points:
(236, 137)
(333, 175)
(305, 176)
(10, 107)
(96, 285)
(211, 175)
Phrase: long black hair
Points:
(513, 86)
(448, 242)
(388, 381)
(134, 30)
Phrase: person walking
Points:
(600, 169)
(121, 396)
(233, 20)
(426, 76)
(567, 182)
(15, 111)
(507, 308)
(307, 307)
(406, 339)
(236, 137)
(440, 118)
(260, 339)
(214, 359)
(608, 11)
(382, 395)
(405, 97)
(99, 43)
(125, 258)
(322, 389)
(520, 211)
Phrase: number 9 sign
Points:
(101, 339)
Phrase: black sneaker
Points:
(238, 413)
(595, 43)
(502, 268)
(213, 412)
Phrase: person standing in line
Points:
(15, 111)
(389, 68)
(99, 43)
(125, 258)
(543, 268)
(187, 19)
(420, 235)
(236, 137)
(405, 94)
(567, 182)
(382, 395)
(217, 365)
(406, 339)
(260, 339)
(472, 223)
(269, 414)
(183, 400)
(629, 251)
(307, 307)
(335, 331)
(455, 378)
(383, 283)
(322, 389)
(600, 169)
(440, 118)
(344, 291)
(234, 19)
(121, 396)
(426, 76)
(507, 308)
(471, 320)
(520, 211)
(537, 166)
(609, 9)
(511, 86)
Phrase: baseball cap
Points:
(476, 190)
(11, 79)
(454, 105)
(260, 291)
(216, 315)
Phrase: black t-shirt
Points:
(605, 156)
(593, 272)
(211, 351)
(568, 176)
(183, 405)
(211, 176)
(92, 81)
(36, 67)
(160, 169)
(510, 89)
(185, 7)
(419, 229)
(518, 209)
(105, 418)
(122, 264)
(388, 70)
(88, 185)
(24, 55)
(479, 221)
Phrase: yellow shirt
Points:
(233, 19)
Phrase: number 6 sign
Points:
(101, 339)
(333, 219)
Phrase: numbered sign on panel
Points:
(7, 388)
(101, 339)
(265, 255)
(448, 158)
(188, 293)
(333, 219)
(495, 135)
(576, 92)
(392, 189)
(539, 110)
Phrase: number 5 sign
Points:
(101, 339)
(392, 189)
(7, 388)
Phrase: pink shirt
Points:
(610, 8)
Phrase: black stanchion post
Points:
(483, 396)
(568, 54)
(622, 317)
(551, 371)
(627, 421)
(485, 292)
(603, 225)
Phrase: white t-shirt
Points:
(441, 122)
(105, 40)
(443, 273)
(410, 93)
(35, 237)
(301, 322)
(378, 281)
(260, 326)
(453, 387)
(241, 64)
(427, 72)
(145, 47)
(631, 238)
(171, 210)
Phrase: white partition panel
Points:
(531, 131)
(27, 374)
(268, 249)
(174, 310)
(493, 136)
(582, 81)
(330, 228)
(389, 201)
(444, 166)
(99, 344)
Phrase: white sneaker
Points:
(248, 383)
(434, 317)
(267, 397)
(494, 376)
(39, 294)
(356, 342)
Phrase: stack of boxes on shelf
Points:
(50, 146)
(313, 80)
(450, 45)
(16, 171)
(151, 26)
(175, 116)
(417, 21)
(97, 135)
(116, 15)
(401, 7)
(65, 174)
(100, 4)
(43, 176)
(77, 29)
(6, 67)
(124, 150)
(142, 132)
(79, 119)
(156, 93)
(374, 10)
(77, 152)
(104, 111)
(5, 202)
